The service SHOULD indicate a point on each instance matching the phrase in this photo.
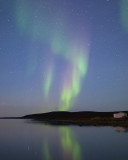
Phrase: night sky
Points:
(63, 55)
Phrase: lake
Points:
(29, 140)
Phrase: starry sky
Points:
(63, 55)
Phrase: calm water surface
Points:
(27, 140)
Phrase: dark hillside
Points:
(71, 115)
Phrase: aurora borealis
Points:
(63, 55)
(71, 46)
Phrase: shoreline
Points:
(82, 118)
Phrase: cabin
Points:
(120, 115)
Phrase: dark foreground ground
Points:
(83, 118)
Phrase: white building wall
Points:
(120, 115)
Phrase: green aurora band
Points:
(48, 80)
(72, 80)
(53, 30)
(124, 14)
